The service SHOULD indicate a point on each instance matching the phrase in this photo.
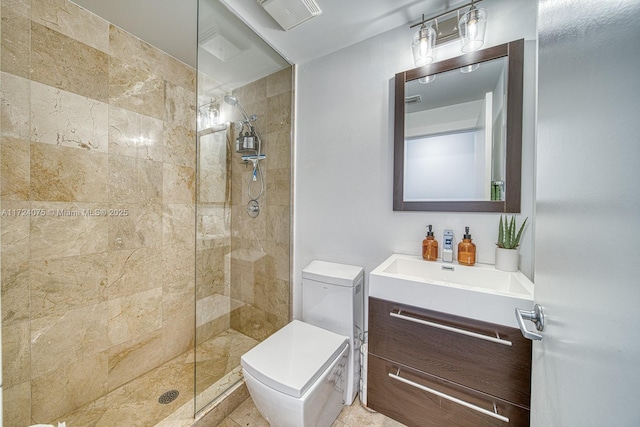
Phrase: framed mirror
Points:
(458, 133)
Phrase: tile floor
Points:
(247, 415)
(135, 404)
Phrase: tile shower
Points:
(103, 209)
(242, 263)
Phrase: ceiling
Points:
(453, 87)
(229, 53)
(341, 24)
(171, 24)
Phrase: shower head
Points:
(231, 100)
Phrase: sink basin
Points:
(480, 292)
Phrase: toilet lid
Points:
(332, 273)
(294, 357)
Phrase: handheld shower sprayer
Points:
(233, 101)
(249, 142)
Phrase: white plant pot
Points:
(507, 259)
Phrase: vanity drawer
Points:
(418, 399)
(487, 357)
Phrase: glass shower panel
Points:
(243, 204)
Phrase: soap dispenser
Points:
(466, 249)
(430, 247)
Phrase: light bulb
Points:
(472, 29)
(424, 47)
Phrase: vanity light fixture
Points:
(473, 25)
(470, 28)
(208, 115)
(424, 40)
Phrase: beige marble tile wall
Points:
(260, 247)
(97, 179)
(213, 234)
(213, 241)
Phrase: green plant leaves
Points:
(507, 237)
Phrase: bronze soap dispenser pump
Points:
(430, 246)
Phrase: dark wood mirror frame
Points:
(514, 51)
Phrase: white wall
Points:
(344, 152)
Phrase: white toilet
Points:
(304, 374)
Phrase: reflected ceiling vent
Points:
(290, 13)
(414, 99)
(218, 45)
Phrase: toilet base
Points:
(318, 407)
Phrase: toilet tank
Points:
(333, 299)
(332, 296)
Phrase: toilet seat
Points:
(293, 358)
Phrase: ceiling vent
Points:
(414, 99)
(214, 41)
(221, 47)
(290, 13)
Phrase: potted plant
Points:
(507, 255)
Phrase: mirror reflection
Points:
(458, 133)
(455, 134)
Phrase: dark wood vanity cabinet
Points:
(428, 368)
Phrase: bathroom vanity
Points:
(441, 350)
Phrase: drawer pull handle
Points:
(451, 398)
(399, 315)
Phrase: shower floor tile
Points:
(136, 403)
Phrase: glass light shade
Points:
(424, 40)
(469, 68)
(473, 26)
(213, 116)
(208, 116)
(427, 79)
(200, 119)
